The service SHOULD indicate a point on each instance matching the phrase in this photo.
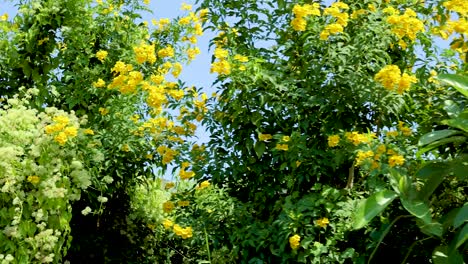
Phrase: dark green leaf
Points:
(461, 217)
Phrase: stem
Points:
(207, 245)
(383, 236)
(411, 248)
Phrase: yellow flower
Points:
(333, 140)
(322, 222)
(99, 83)
(221, 67)
(33, 179)
(186, 7)
(166, 52)
(101, 55)
(264, 137)
(169, 185)
(391, 133)
(285, 139)
(361, 156)
(381, 149)
(125, 148)
(167, 223)
(61, 138)
(183, 203)
(241, 58)
(103, 111)
(184, 175)
(168, 206)
(220, 53)
(299, 24)
(4, 17)
(295, 241)
(71, 132)
(396, 160)
(204, 184)
(284, 147)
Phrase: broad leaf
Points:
(444, 141)
(436, 135)
(458, 82)
(461, 217)
(417, 208)
(259, 148)
(441, 255)
(433, 175)
(462, 236)
(372, 206)
(461, 123)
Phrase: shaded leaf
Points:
(461, 217)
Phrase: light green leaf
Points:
(458, 82)
(417, 208)
(444, 141)
(436, 135)
(461, 123)
(372, 206)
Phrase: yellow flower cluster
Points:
(221, 66)
(145, 53)
(168, 206)
(65, 132)
(333, 140)
(363, 155)
(264, 137)
(335, 10)
(356, 138)
(405, 25)
(4, 17)
(322, 222)
(390, 77)
(167, 154)
(299, 22)
(182, 232)
(99, 83)
(406, 131)
(183, 203)
(203, 185)
(459, 6)
(295, 241)
(34, 179)
(183, 173)
(101, 55)
(395, 160)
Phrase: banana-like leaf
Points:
(372, 206)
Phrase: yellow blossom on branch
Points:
(264, 137)
(322, 222)
(395, 160)
(333, 140)
(295, 241)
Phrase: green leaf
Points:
(444, 141)
(372, 206)
(433, 175)
(434, 228)
(461, 217)
(462, 236)
(461, 123)
(436, 135)
(458, 82)
(440, 255)
(259, 148)
(417, 208)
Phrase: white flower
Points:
(86, 211)
(102, 199)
